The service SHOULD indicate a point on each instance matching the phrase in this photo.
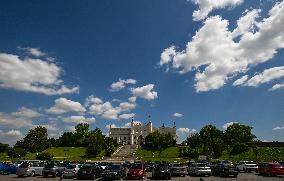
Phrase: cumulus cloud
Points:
(278, 128)
(126, 116)
(92, 100)
(226, 125)
(36, 52)
(266, 76)
(241, 80)
(63, 105)
(120, 84)
(32, 75)
(276, 86)
(183, 133)
(145, 92)
(10, 137)
(179, 115)
(132, 99)
(214, 67)
(19, 119)
(206, 6)
(127, 106)
(79, 119)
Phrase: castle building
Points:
(136, 134)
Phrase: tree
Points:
(4, 148)
(81, 133)
(158, 141)
(95, 143)
(211, 141)
(194, 140)
(238, 133)
(67, 139)
(17, 152)
(36, 140)
(110, 145)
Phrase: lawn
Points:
(169, 154)
(60, 153)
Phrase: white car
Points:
(247, 166)
(71, 170)
(199, 169)
(30, 169)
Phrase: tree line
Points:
(37, 140)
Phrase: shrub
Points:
(44, 156)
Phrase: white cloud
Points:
(226, 125)
(183, 133)
(126, 116)
(128, 125)
(132, 99)
(276, 86)
(32, 75)
(265, 77)
(214, 67)
(127, 106)
(206, 6)
(145, 92)
(278, 128)
(120, 84)
(241, 80)
(79, 119)
(10, 137)
(36, 52)
(179, 115)
(19, 119)
(63, 105)
(92, 100)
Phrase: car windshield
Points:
(24, 165)
(201, 165)
(136, 166)
(50, 165)
(70, 166)
(87, 167)
(113, 167)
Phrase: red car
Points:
(136, 171)
(270, 169)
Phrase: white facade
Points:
(137, 132)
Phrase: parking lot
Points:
(241, 177)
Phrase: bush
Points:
(44, 156)
(239, 148)
(187, 152)
(17, 152)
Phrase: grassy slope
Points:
(61, 153)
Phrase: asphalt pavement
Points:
(241, 177)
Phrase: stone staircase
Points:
(125, 152)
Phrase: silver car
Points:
(199, 169)
(71, 170)
(30, 169)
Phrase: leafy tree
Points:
(17, 152)
(239, 148)
(188, 152)
(4, 148)
(36, 140)
(52, 142)
(211, 141)
(159, 141)
(110, 145)
(81, 133)
(238, 133)
(44, 156)
(95, 143)
(194, 140)
(67, 139)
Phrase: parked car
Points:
(71, 170)
(178, 170)
(199, 169)
(30, 169)
(7, 168)
(51, 169)
(89, 171)
(114, 171)
(161, 171)
(225, 169)
(247, 166)
(270, 169)
(136, 171)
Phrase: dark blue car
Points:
(7, 168)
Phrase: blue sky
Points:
(103, 62)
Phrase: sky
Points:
(192, 62)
